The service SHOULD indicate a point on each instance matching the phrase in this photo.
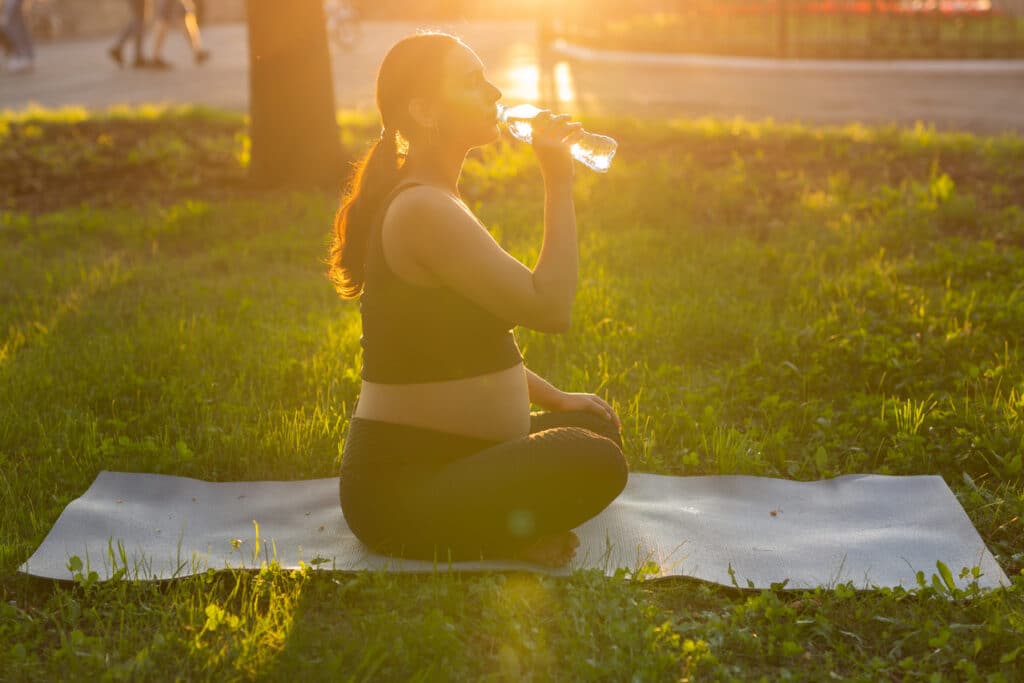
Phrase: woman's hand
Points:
(591, 403)
(552, 136)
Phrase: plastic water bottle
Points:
(592, 150)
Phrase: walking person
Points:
(133, 30)
(21, 56)
(443, 458)
(5, 43)
(168, 13)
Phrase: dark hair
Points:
(411, 68)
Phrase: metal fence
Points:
(864, 29)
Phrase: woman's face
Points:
(466, 112)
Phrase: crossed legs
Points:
(515, 499)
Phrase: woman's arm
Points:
(441, 234)
(545, 395)
(542, 392)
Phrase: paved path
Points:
(986, 101)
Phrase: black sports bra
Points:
(414, 334)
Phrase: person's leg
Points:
(576, 418)
(559, 548)
(159, 38)
(29, 44)
(497, 502)
(139, 18)
(17, 32)
(382, 459)
(127, 31)
(165, 13)
(195, 38)
(132, 29)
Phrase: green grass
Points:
(754, 298)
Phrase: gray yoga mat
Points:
(872, 530)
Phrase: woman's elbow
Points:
(549, 314)
(558, 323)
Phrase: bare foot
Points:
(554, 550)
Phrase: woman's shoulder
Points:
(413, 196)
(422, 226)
(429, 208)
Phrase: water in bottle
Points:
(592, 150)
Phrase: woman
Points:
(443, 459)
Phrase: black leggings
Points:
(425, 494)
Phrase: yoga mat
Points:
(872, 530)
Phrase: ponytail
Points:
(375, 176)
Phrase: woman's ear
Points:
(423, 112)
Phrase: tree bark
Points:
(293, 129)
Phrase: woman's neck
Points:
(434, 166)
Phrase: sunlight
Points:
(524, 589)
(521, 83)
(520, 601)
(517, 601)
(565, 89)
(526, 82)
(248, 635)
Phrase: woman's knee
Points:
(581, 419)
(600, 462)
(614, 465)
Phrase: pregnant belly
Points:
(495, 406)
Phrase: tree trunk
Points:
(294, 132)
